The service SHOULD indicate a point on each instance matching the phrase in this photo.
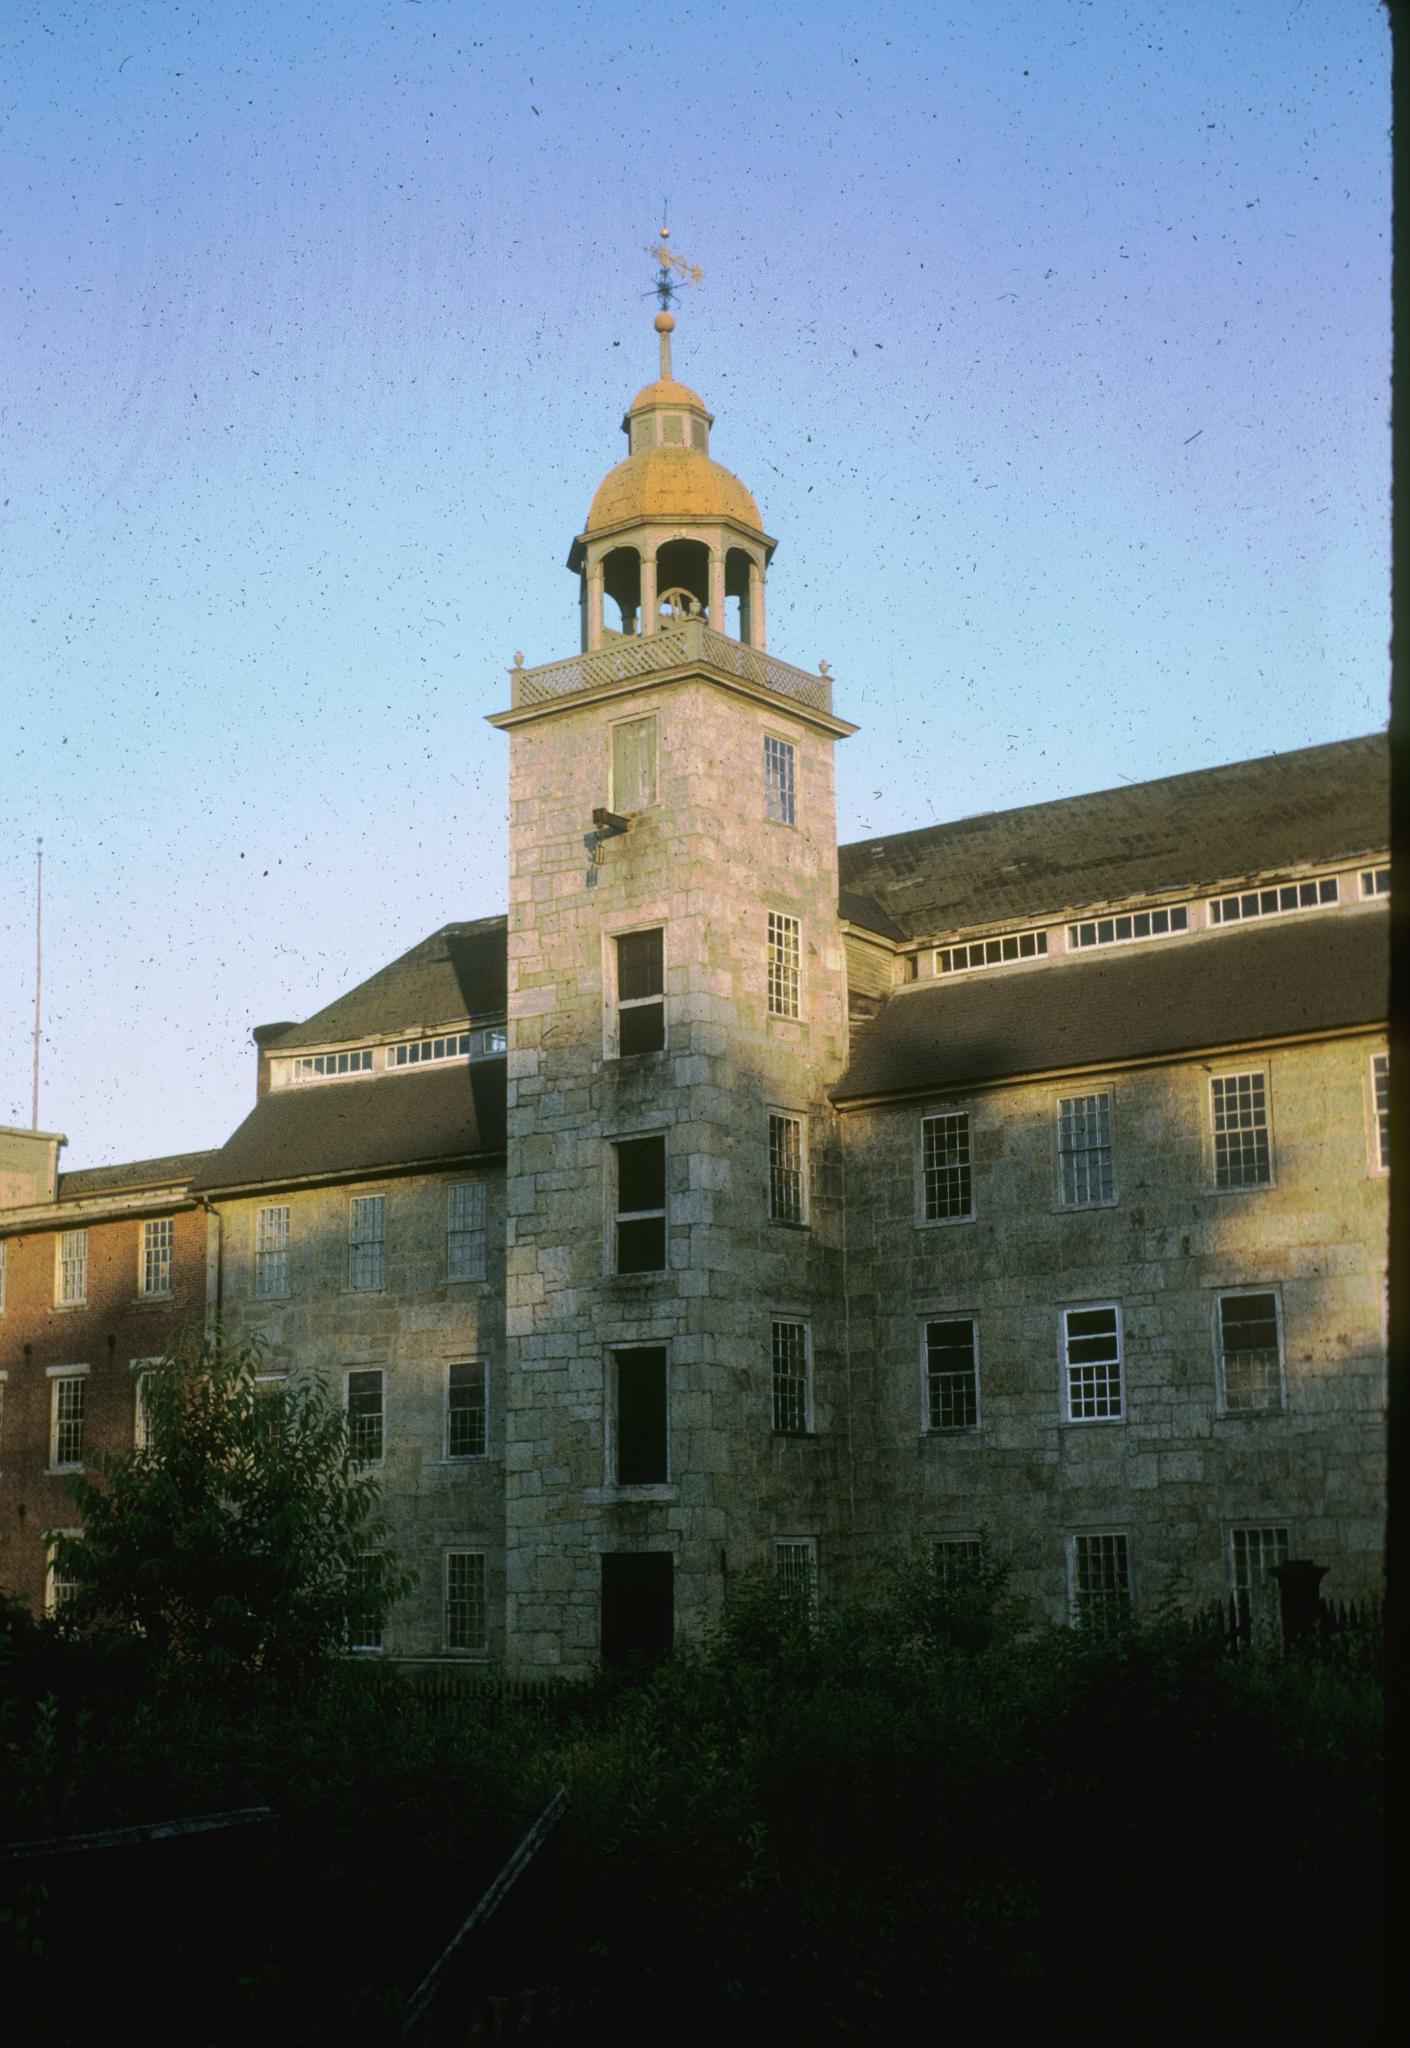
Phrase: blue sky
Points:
(1052, 337)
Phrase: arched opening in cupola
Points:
(621, 583)
(740, 572)
(682, 577)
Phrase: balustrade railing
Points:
(684, 641)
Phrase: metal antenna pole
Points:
(38, 962)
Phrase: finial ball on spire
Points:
(665, 323)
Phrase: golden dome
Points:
(665, 391)
(671, 483)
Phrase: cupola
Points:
(671, 533)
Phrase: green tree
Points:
(240, 1536)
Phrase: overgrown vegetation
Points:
(851, 1825)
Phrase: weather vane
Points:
(672, 272)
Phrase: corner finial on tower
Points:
(670, 268)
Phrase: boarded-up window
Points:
(634, 764)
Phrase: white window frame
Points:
(61, 1376)
(481, 1648)
(367, 1648)
(784, 965)
(1104, 1093)
(1077, 1308)
(145, 1257)
(1245, 906)
(381, 1372)
(1123, 927)
(1075, 1593)
(454, 1457)
(142, 1371)
(1378, 1147)
(799, 1123)
(968, 1546)
(1004, 949)
(800, 1323)
(616, 804)
(966, 1166)
(781, 787)
(276, 1257)
(77, 1259)
(808, 1547)
(1222, 1406)
(1374, 882)
(1224, 1075)
(358, 1247)
(52, 1604)
(467, 1234)
(1255, 1600)
(928, 1425)
(332, 1066)
(614, 1003)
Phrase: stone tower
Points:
(675, 1399)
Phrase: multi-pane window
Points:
(465, 1230)
(780, 782)
(641, 992)
(947, 1185)
(1239, 1107)
(784, 965)
(640, 1436)
(59, 1582)
(639, 1224)
(365, 1416)
(272, 1252)
(321, 1066)
(465, 1410)
(951, 1374)
(791, 1378)
(957, 1561)
(143, 1372)
(1099, 1580)
(787, 1203)
(73, 1267)
(634, 764)
(483, 1043)
(1132, 924)
(1380, 1111)
(364, 1615)
(1274, 902)
(366, 1240)
(1086, 1178)
(467, 1618)
(993, 952)
(1250, 1354)
(66, 1419)
(1253, 1555)
(1091, 1352)
(156, 1256)
(1375, 881)
(796, 1568)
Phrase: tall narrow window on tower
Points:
(787, 1180)
(639, 1173)
(641, 1433)
(780, 782)
(641, 1005)
(784, 965)
(634, 764)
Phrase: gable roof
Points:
(1315, 973)
(172, 1168)
(462, 970)
(1182, 832)
(421, 1118)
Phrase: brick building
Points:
(97, 1269)
(741, 1203)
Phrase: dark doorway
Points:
(638, 1606)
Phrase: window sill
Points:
(62, 1471)
(790, 1223)
(943, 1222)
(66, 1308)
(466, 1458)
(794, 1436)
(1084, 1208)
(960, 1429)
(608, 1496)
(1252, 1187)
(1092, 1422)
(270, 1300)
(152, 1300)
(1250, 1414)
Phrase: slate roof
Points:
(1182, 832)
(1315, 973)
(860, 910)
(419, 1118)
(134, 1173)
(462, 970)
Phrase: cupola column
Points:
(594, 606)
(648, 588)
(717, 589)
(756, 606)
